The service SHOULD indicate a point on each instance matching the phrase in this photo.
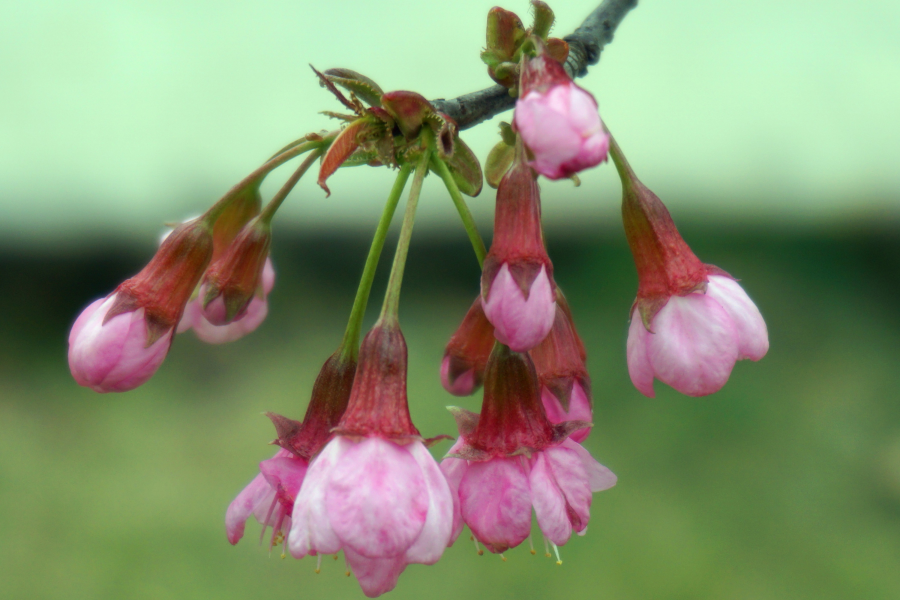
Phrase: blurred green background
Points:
(768, 128)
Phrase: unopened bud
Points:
(467, 353)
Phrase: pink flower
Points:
(558, 121)
(510, 459)
(496, 496)
(375, 492)
(113, 355)
(690, 321)
(269, 498)
(559, 361)
(517, 288)
(520, 321)
(384, 504)
(694, 340)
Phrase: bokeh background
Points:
(770, 129)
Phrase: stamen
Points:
(265, 523)
(556, 549)
(531, 545)
(335, 557)
(502, 557)
(477, 547)
(346, 564)
(546, 548)
(318, 564)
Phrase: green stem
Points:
(256, 177)
(391, 306)
(463, 209)
(622, 166)
(350, 344)
(269, 211)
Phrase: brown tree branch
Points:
(585, 45)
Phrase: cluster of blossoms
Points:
(355, 475)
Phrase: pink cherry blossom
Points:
(384, 504)
(579, 409)
(519, 322)
(696, 339)
(269, 497)
(562, 128)
(113, 356)
(496, 496)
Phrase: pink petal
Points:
(191, 312)
(463, 385)
(240, 509)
(311, 530)
(495, 502)
(751, 328)
(599, 477)
(454, 469)
(268, 276)
(376, 498)
(376, 576)
(549, 502)
(518, 322)
(284, 472)
(567, 466)
(694, 345)
(639, 367)
(220, 334)
(435, 535)
(579, 409)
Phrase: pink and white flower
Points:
(384, 504)
(113, 355)
(558, 121)
(269, 498)
(695, 340)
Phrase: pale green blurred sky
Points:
(129, 114)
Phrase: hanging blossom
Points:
(518, 293)
(510, 459)
(691, 321)
(562, 373)
(374, 491)
(270, 497)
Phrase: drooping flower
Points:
(558, 120)
(560, 364)
(118, 342)
(517, 287)
(510, 459)
(271, 495)
(467, 352)
(691, 321)
(375, 492)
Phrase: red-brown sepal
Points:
(665, 264)
(512, 419)
(165, 285)
(236, 276)
(541, 73)
(357, 133)
(560, 359)
(330, 395)
(378, 404)
(408, 109)
(518, 237)
(470, 347)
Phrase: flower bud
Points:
(690, 321)
(235, 278)
(560, 364)
(505, 33)
(118, 342)
(467, 353)
(558, 120)
(518, 292)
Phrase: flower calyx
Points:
(165, 285)
(512, 420)
(467, 353)
(330, 395)
(378, 403)
(231, 282)
(666, 265)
